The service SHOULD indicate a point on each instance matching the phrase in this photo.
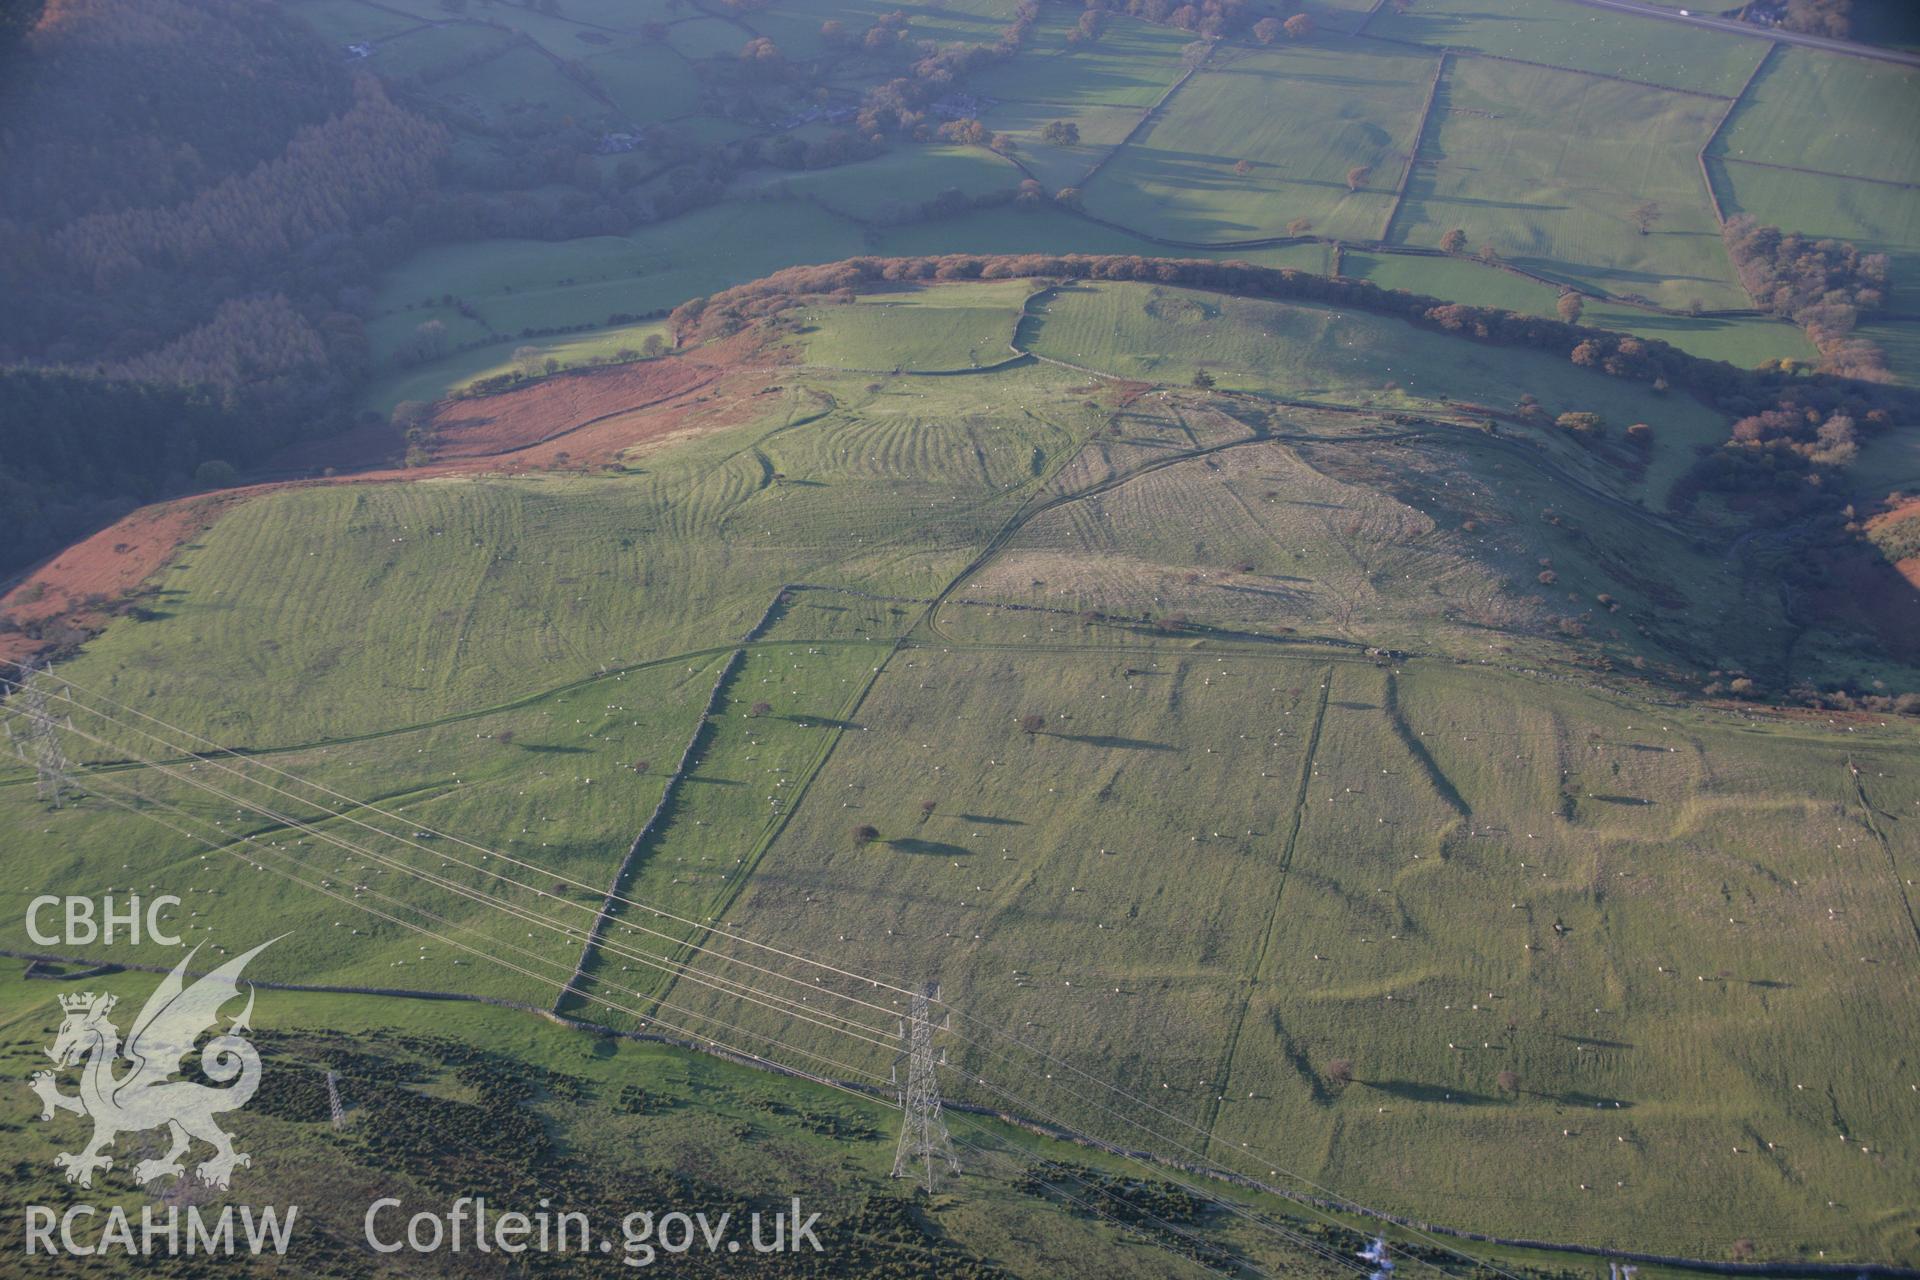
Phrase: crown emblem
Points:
(86, 1000)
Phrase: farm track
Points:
(1251, 982)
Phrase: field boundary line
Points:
(1461, 51)
(1819, 173)
(1886, 846)
(680, 958)
(1413, 151)
(1147, 116)
(1404, 250)
(1706, 174)
(1252, 981)
(610, 903)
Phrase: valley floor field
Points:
(1538, 128)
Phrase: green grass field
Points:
(892, 187)
(1376, 871)
(933, 330)
(1741, 341)
(1581, 39)
(1789, 114)
(1547, 167)
(1326, 355)
(1347, 103)
(1878, 218)
(1130, 65)
(1268, 850)
(1900, 339)
(1058, 165)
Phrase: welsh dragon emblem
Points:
(141, 1095)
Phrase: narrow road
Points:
(1827, 43)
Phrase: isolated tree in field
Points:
(1358, 175)
(1061, 133)
(1640, 434)
(1455, 241)
(1569, 307)
(1644, 215)
(653, 345)
(1203, 380)
(759, 709)
(1581, 423)
(1298, 27)
(1243, 167)
(1509, 1081)
(641, 766)
(528, 360)
(1032, 723)
(1068, 197)
(1267, 30)
(1340, 1071)
(865, 833)
(927, 807)
(1299, 226)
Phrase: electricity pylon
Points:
(333, 1100)
(40, 746)
(923, 1130)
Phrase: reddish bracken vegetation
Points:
(554, 407)
(574, 421)
(72, 593)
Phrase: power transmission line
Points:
(923, 1131)
(677, 968)
(41, 746)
